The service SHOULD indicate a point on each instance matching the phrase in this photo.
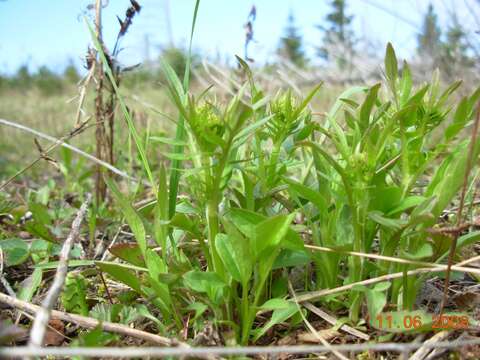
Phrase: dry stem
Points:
(43, 314)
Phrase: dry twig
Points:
(312, 329)
(43, 314)
(313, 295)
(333, 321)
(423, 352)
(91, 323)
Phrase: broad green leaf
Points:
(461, 117)
(269, 233)
(278, 316)
(202, 281)
(130, 253)
(15, 251)
(199, 309)
(468, 239)
(206, 282)
(74, 295)
(384, 198)
(234, 252)
(449, 179)
(246, 221)
(376, 297)
(121, 273)
(276, 304)
(406, 82)
(291, 258)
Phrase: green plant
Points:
(374, 197)
(259, 178)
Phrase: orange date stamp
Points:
(415, 321)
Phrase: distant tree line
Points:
(448, 48)
(445, 49)
(44, 79)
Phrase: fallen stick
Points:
(423, 352)
(314, 295)
(394, 259)
(40, 322)
(333, 321)
(91, 323)
(162, 352)
(310, 327)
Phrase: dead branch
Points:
(43, 314)
(91, 323)
(423, 352)
(314, 295)
(333, 321)
(156, 352)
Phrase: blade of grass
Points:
(180, 133)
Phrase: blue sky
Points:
(38, 32)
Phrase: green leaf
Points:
(276, 304)
(30, 285)
(367, 106)
(74, 295)
(407, 203)
(291, 258)
(202, 281)
(130, 253)
(269, 234)
(307, 193)
(391, 65)
(131, 216)
(246, 221)
(121, 273)
(199, 309)
(234, 252)
(376, 297)
(278, 316)
(206, 282)
(15, 251)
(389, 223)
(168, 141)
(71, 264)
(423, 252)
(461, 117)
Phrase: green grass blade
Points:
(180, 133)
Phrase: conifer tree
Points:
(291, 45)
(429, 40)
(337, 33)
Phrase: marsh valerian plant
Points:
(260, 177)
